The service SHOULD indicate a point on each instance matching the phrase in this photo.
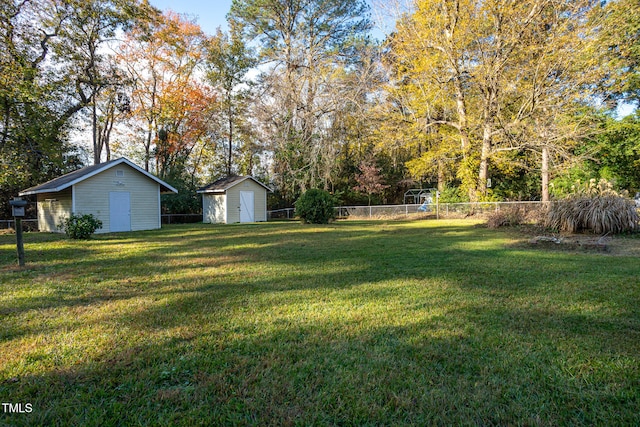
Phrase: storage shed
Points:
(119, 193)
(234, 199)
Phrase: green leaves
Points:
(80, 227)
(315, 206)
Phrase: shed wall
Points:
(52, 209)
(92, 197)
(259, 201)
(214, 208)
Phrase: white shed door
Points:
(119, 211)
(246, 206)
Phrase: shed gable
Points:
(91, 196)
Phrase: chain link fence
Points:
(288, 213)
(440, 210)
(27, 224)
(181, 218)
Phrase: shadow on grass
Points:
(332, 257)
(344, 324)
(451, 369)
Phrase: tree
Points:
(91, 27)
(36, 101)
(618, 152)
(53, 66)
(169, 107)
(369, 180)
(112, 106)
(304, 46)
(617, 49)
(228, 61)
(183, 124)
(493, 72)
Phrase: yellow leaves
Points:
(171, 104)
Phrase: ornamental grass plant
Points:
(508, 217)
(595, 207)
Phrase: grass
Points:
(353, 323)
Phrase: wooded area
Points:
(483, 99)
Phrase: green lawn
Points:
(354, 323)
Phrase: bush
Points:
(315, 207)
(453, 195)
(80, 226)
(601, 214)
(507, 217)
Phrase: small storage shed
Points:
(234, 199)
(119, 193)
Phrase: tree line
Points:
(482, 99)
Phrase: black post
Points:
(18, 209)
(19, 241)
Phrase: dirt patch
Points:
(533, 236)
(612, 245)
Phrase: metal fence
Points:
(440, 210)
(375, 212)
(288, 213)
(27, 224)
(181, 218)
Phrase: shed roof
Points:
(223, 184)
(72, 178)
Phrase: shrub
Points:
(315, 207)
(453, 195)
(601, 214)
(507, 217)
(80, 226)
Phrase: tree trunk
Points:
(545, 174)
(147, 145)
(441, 177)
(462, 118)
(483, 173)
(230, 154)
(97, 142)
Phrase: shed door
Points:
(119, 211)
(246, 206)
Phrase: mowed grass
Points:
(353, 323)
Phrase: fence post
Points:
(18, 210)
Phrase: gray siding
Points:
(92, 197)
(53, 208)
(214, 209)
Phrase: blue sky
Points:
(210, 14)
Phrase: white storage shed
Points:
(234, 199)
(119, 193)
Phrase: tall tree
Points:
(162, 60)
(38, 98)
(228, 61)
(303, 45)
(91, 27)
(489, 69)
(617, 49)
(52, 67)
